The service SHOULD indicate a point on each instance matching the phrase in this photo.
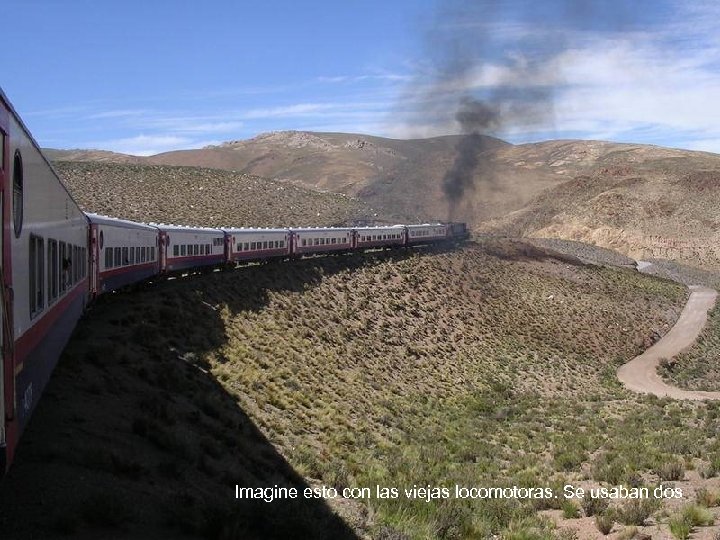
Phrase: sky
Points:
(144, 77)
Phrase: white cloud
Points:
(144, 145)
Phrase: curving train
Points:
(57, 258)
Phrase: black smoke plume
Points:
(492, 67)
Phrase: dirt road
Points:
(640, 374)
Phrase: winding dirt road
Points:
(640, 374)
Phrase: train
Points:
(57, 259)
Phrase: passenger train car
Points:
(56, 258)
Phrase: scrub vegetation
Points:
(698, 368)
(489, 365)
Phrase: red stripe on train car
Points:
(30, 339)
(237, 255)
(196, 258)
(376, 243)
(130, 268)
(315, 249)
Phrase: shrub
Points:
(570, 510)
(671, 471)
(604, 523)
(636, 511)
(628, 533)
(594, 505)
(697, 516)
(707, 498)
(680, 528)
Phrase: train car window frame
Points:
(76, 264)
(176, 250)
(132, 255)
(61, 259)
(152, 253)
(53, 270)
(125, 256)
(36, 276)
(183, 251)
(108, 258)
(18, 196)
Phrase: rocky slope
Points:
(203, 197)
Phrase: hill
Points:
(203, 197)
(644, 201)
(493, 365)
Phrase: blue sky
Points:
(149, 76)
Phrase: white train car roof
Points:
(380, 228)
(117, 222)
(187, 229)
(321, 229)
(241, 230)
(9, 105)
(425, 225)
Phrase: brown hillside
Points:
(646, 202)
(203, 197)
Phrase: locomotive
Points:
(56, 259)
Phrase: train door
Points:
(94, 260)
(164, 244)
(7, 373)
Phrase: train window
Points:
(316, 241)
(125, 256)
(76, 264)
(108, 257)
(282, 243)
(208, 249)
(152, 253)
(53, 270)
(132, 255)
(118, 257)
(176, 250)
(182, 250)
(143, 254)
(17, 193)
(83, 262)
(304, 242)
(36, 274)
